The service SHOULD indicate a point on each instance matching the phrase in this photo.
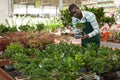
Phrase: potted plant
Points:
(10, 51)
(106, 63)
(80, 33)
(53, 62)
(89, 57)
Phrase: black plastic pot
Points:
(110, 76)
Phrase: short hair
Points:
(71, 6)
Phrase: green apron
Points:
(87, 29)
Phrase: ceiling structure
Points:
(47, 2)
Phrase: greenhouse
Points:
(60, 40)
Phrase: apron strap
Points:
(86, 19)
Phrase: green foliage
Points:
(13, 49)
(100, 15)
(99, 12)
(58, 61)
(52, 25)
(66, 18)
(27, 63)
(26, 28)
(61, 61)
(3, 29)
(102, 61)
(80, 25)
(109, 20)
(40, 26)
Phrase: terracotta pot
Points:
(105, 39)
(105, 36)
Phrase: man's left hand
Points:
(85, 36)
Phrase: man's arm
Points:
(94, 23)
(74, 22)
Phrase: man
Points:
(91, 28)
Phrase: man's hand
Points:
(85, 36)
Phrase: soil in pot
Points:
(110, 76)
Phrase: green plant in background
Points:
(3, 29)
(66, 18)
(11, 28)
(99, 12)
(26, 27)
(40, 26)
(100, 15)
(109, 20)
(52, 25)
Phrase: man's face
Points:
(76, 12)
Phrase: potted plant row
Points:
(63, 61)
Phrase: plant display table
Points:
(4, 75)
(106, 44)
(110, 44)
